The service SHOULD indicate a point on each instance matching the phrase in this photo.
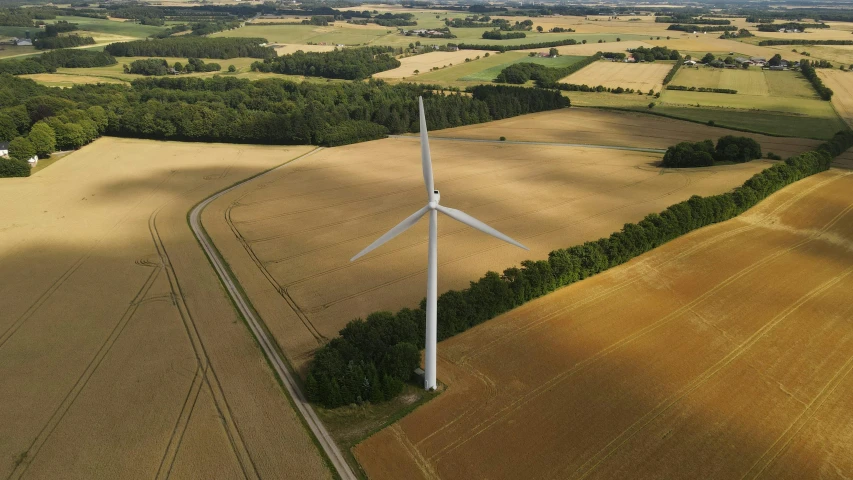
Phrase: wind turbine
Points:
(432, 207)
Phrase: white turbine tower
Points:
(432, 207)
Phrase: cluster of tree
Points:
(342, 371)
(701, 89)
(704, 154)
(62, 58)
(443, 32)
(208, 27)
(148, 66)
(171, 31)
(192, 46)
(54, 29)
(394, 20)
(526, 46)
(654, 53)
(505, 25)
(819, 14)
(754, 19)
(614, 55)
(799, 41)
(561, 30)
(689, 20)
(348, 63)
(808, 71)
(742, 33)
(68, 41)
(672, 71)
(702, 28)
(499, 35)
(545, 77)
(318, 20)
(469, 22)
(789, 26)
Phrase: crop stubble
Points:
(639, 76)
(120, 353)
(289, 236)
(718, 355)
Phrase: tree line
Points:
(380, 352)
(729, 149)
(796, 41)
(654, 53)
(672, 71)
(500, 35)
(159, 66)
(48, 62)
(790, 26)
(526, 46)
(192, 46)
(808, 71)
(701, 89)
(347, 63)
(702, 28)
(689, 20)
(67, 41)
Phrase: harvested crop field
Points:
(425, 62)
(297, 228)
(602, 127)
(120, 354)
(723, 354)
(753, 81)
(841, 84)
(639, 76)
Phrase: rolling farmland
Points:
(289, 237)
(424, 63)
(639, 76)
(725, 353)
(120, 354)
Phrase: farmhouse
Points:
(21, 42)
(744, 61)
(690, 63)
(4, 149)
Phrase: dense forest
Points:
(654, 53)
(729, 149)
(372, 358)
(270, 111)
(192, 46)
(63, 58)
(66, 41)
(347, 63)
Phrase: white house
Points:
(24, 42)
(4, 149)
(690, 63)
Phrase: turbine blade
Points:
(400, 228)
(463, 217)
(426, 159)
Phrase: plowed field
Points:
(727, 353)
(120, 354)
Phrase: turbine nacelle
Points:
(433, 203)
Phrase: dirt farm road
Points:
(248, 313)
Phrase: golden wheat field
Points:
(639, 76)
(120, 354)
(289, 235)
(425, 62)
(602, 127)
(726, 353)
(841, 84)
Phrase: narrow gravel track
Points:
(256, 326)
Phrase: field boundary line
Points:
(550, 144)
(256, 326)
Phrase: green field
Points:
(490, 73)
(111, 27)
(753, 81)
